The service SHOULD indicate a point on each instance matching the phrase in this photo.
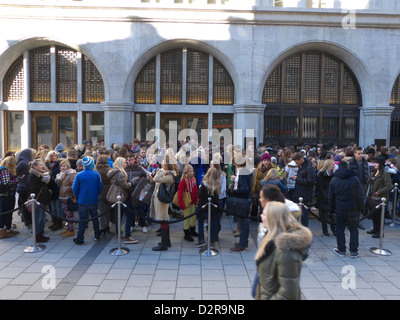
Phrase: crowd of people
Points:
(342, 184)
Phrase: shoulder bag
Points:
(238, 207)
(165, 194)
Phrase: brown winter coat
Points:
(64, 181)
(279, 266)
(158, 209)
(103, 169)
(119, 183)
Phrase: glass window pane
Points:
(144, 122)
(349, 128)
(291, 127)
(92, 82)
(66, 130)
(310, 127)
(292, 80)
(44, 130)
(14, 81)
(145, 84)
(223, 88)
(197, 77)
(171, 77)
(94, 126)
(15, 120)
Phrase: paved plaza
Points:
(90, 272)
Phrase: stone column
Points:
(249, 117)
(117, 122)
(375, 124)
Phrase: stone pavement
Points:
(90, 272)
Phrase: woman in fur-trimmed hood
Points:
(280, 256)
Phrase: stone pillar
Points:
(117, 122)
(375, 124)
(249, 116)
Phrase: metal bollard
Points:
(393, 224)
(380, 251)
(119, 251)
(35, 247)
(209, 252)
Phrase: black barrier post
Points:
(119, 251)
(380, 251)
(209, 252)
(35, 247)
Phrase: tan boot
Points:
(12, 232)
(65, 231)
(4, 234)
(68, 234)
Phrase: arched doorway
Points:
(395, 121)
(311, 96)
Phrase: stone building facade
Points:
(291, 72)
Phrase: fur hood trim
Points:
(299, 239)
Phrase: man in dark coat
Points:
(305, 182)
(346, 200)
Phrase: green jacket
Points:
(280, 265)
(381, 184)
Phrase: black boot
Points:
(193, 232)
(188, 237)
(375, 228)
(325, 230)
(162, 246)
(58, 225)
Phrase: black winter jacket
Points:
(362, 170)
(323, 181)
(345, 192)
(305, 182)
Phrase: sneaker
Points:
(144, 229)
(237, 249)
(130, 241)
(96, 238)
(354, 255)
(200, 244)
(78, 242)
(339, 253)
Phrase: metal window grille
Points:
(40, 75)
(197, 77)
(350, 88)
(292, 78)
(14, 81)
(171, 77)
(331, 81)
(92, 82)
(67, 75)
(145, 84)
(223, 87)
(272, 90)
(395, 97)
(312, 78)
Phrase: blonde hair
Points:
(272, 174)
(66, 162)
(186, 170)
(325, 165)
(278, 219)
(10, 163)
(118, 164)
(49, 154)
(212, 181)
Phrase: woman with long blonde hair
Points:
(274, 178)
(188, 184)
(8, 187)
(280, 255)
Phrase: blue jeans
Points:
(349, 219)
(128, 212)
(203, 215)
(40, 220)
(86, 211)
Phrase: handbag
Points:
(187, 199)
(373, 202)
(143, 192)
(238, 207)
(114, 192)
(72, 204)
(166, 194)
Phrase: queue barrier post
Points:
(301, 204)
(209, 252)
(119, 251)
(393, 224)
(380, 251)
(34, 247)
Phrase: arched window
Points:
(185, 79)
(58, 78)
(311, 97)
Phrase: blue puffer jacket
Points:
(87, 186)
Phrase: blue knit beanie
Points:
(88, 163)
